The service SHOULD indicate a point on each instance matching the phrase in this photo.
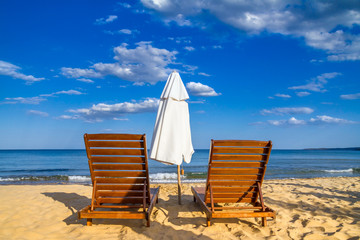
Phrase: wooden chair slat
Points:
(233, 183)
(136, 174)
(119, 180)
(231, 200)
(243, 143)
(120, 187)
(112, 193)
(233, 171)
(220, 164)
(127, 159)
(138, 152)
(238, 157)
(234, 189)
(133, 200)
(217, 150)
(233, 177)
(233, 195)
(116, 144)
(102, 166)
(109, 136)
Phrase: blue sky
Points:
(285, 71)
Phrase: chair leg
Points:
(147, 222)
(194, 198)
(208, 223)
(89, 221)
(264, 222)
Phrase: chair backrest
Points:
(236, 169)
(119, 168)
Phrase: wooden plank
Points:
(233, 195)
(137, 174)
(233, 177)
(233, 183)
(240, 150)
(230, 200)
(234, 189)
(220, 164)
(232, 171)
(240, 214)
(116, 151)
(119, 206)
(119, 144)
(248, 143)
(101, 166)
(112, 214)
(238, 157)
(119, 187)
(118, 159)
(119, 200)
(154, 196)
(110, 136)
(120, 180)
(112, 193)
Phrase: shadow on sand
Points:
(170, 210)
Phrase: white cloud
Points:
(38, 99)
(282, 95)
(68, 92)
(121, 119)
(189, 48)
(317, 84)
(323, 25)
(144, 63)
(125, 5)
(319, 120)
(197, 102)
(26, 100)
(38, 113)
(78, 73)
(303, 94)
(66, 117)
(86, 80)
(101, 111)
(198, 89)
(12, 70)
(204, 74)
(350, 96)
(291, 121)
(125, 31)
(328, 120)
(287, 110)
(109, 19)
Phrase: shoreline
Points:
(316, 208)
(199, 181)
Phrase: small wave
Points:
(339, 171)
(38, 170)
(79, 178)
(35, 178)
(163, 176)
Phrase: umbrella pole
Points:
(179, 185)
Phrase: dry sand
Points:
(324, 208)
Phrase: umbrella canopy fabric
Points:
(171, 141)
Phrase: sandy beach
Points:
(322, 208)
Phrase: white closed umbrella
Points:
(171, 142)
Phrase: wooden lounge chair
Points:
(235, 175)
(120, 177)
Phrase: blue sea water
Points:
(71, 166)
